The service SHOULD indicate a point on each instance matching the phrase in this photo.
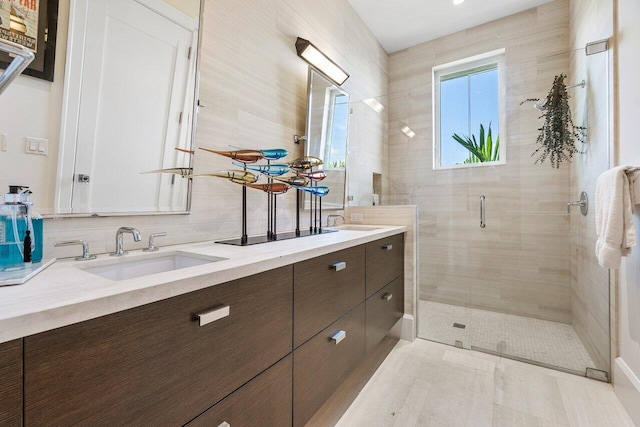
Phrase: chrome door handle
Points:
(387, 296)
(339, 265)
(339, 336)
(214, 314)
(482, 213)
(387, 247)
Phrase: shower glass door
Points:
(525, 284)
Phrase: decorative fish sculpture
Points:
(184, 172)
(274, 153)
(244, 156)
(275, 169)
(274, 188)
(314, 176)
(269, 154)
(304, 163)
(296, 180)
(183, 150)
(320, 190)
(239, 177)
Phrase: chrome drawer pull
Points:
(387, 247)
(224, 424)
(214, 314)
(387, 296)
(339, 265)
(338, 336)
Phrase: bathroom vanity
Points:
(264, 337)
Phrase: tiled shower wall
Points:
(255, 88)
(520, 263)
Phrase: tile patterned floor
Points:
(429, 384)
(551, 343)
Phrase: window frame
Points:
(473, 62)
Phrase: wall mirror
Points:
(128, 106)
(327, 135)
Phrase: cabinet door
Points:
(265, 401)
(385, 262)
(155, 364)
(324, 289)
(322, 363)
(11, 383)
(384, 309)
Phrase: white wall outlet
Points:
(356, 217)
(36, 146)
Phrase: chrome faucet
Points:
(136, 238)
(86, 256)
(335, 220)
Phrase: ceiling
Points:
(399, 24)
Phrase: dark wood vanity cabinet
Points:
(384, 309)
(385, 262)
(268, 349)
(265, 401)
(324, 289)
(155, 364)
(324, 294)
(11, 383)
(322, 363)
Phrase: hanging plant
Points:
(558, 134)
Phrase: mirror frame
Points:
(308, 139)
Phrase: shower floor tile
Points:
(551, 343)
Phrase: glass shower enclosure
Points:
(506, 263)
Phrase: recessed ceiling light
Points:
(458, 1)
(374, 104)
(408, 131)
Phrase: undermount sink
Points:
(358, 228)
(123, 269)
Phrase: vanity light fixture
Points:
(458, 1)
(318, 60)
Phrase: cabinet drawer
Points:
(155, 364)
(321, 364)
(11, 383)
(385, 262)
(324, 289)
(265, 401)
(384, 309)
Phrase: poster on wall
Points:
(19, 23)
(31, 24)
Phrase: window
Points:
(469, 95)
(335, 133)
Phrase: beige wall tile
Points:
(519, 263)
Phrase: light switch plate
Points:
(37, 146)
(3, 142)
(356, 217)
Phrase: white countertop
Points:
(64, 294)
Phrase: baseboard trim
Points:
(404, 329)
(627, 387)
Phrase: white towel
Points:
(614, 217)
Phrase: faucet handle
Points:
(151, 247)
(86, 256)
